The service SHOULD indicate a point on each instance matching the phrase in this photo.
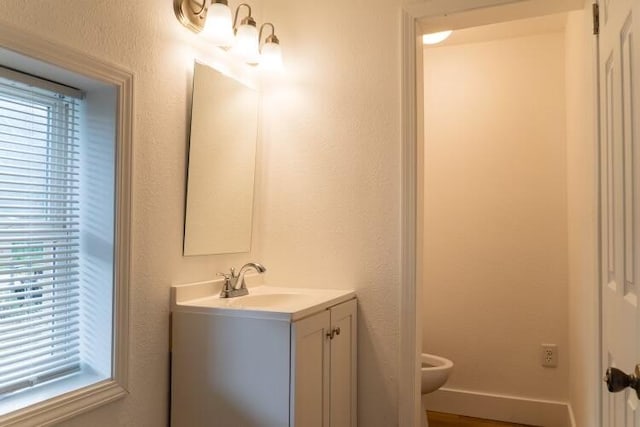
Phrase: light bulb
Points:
(246, 44)
(271, 57)
(218, 27)
(435, 38)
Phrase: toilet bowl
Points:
(434, 371)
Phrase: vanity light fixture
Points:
(270, 52)
(435, 38)
(212, 18)
(246, 45)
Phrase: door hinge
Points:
(595, 9)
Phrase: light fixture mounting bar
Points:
(191, 14)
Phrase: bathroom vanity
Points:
(276, 357)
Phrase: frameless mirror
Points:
(222, 150)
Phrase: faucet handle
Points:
(226, 276)
(227, 286)
(230, 275)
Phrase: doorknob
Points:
(617, 380)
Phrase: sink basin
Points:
(262, 302)
(268, 300)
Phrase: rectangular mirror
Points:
(222, 151)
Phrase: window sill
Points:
(64, 399)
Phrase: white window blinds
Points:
(39, 231)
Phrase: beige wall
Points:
(330, 195)
(328, 180)
(582, 215)
(146, 38)
(495, 214)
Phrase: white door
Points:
(620, 213)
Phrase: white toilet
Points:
(435, 371)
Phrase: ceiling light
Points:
(435, 38)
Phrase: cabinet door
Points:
(310, 358)
(229, 371)
(343, 379)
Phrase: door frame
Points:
(412, 171)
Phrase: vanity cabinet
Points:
(323, 368)
(249, 368)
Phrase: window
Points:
(64, 233)
(39, 235)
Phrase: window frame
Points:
(48, 59)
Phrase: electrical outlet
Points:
(549, 355)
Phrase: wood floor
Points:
(438, 419)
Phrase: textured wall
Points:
(495, 213)
(330, 196)
(328, 178)
(146, 38)
(582, 214)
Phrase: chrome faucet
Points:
(234, 285)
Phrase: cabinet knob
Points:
(333, 333)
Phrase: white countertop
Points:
(267, 302)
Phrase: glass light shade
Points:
(271, 57)
(435, 38)
(246, 45)
(218, 27)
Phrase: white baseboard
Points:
(498, 407)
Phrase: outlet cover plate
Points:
(549, 355)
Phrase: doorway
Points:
(495, 195)
(436, 16)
